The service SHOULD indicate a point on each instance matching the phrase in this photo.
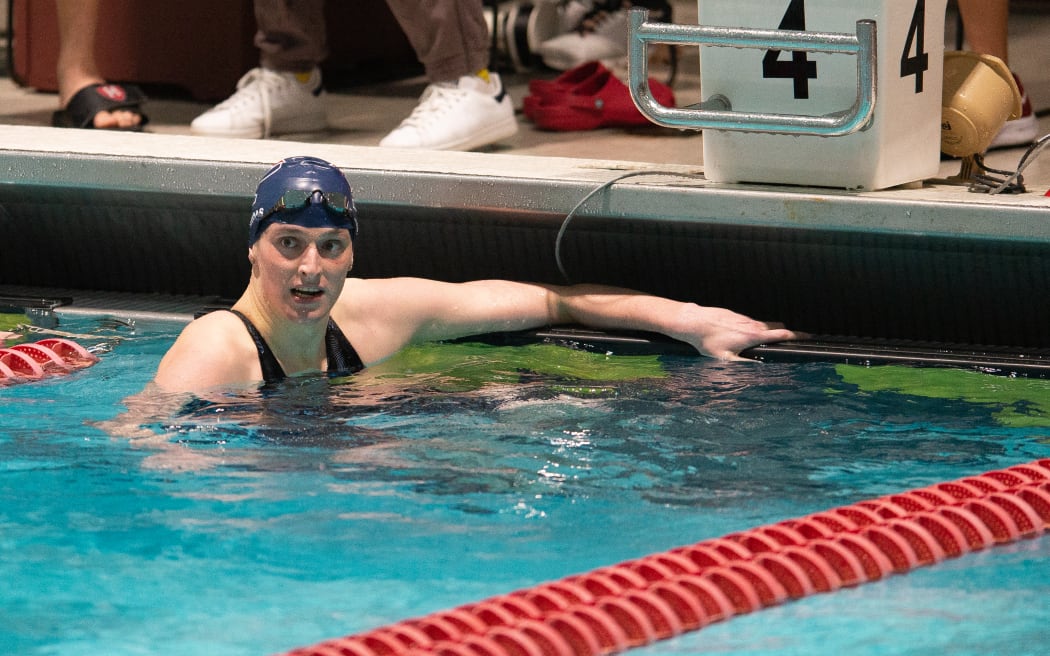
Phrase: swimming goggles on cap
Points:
(297, 199)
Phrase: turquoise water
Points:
(265, 522)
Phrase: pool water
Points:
(266, 521)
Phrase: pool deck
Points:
(507, 181)
(562, 165)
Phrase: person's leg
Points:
(985, 26)
(450, 37)
(77, 68)
(291, 34)
(986, 31)
(284, 94)
(465, 107)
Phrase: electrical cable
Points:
(1011, 182)
(1014, 182)
(605, 185)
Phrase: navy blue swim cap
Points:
(303, 191)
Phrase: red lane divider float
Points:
(48, 357)
(638, 602)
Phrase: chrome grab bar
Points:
(716, 113)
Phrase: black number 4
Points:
(798, 68)
(920, 63)
(801, 70)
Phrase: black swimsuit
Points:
(342, 358)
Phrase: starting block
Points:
(825, 93)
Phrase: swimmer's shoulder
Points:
(218, 324)
(219, 331)
(367, 298)
(356, 297)
(213, 349)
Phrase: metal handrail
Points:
(717, 113)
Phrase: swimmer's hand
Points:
(723, 334)
(713, 331)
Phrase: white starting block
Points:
(833, 93)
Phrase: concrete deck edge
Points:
(231, 167)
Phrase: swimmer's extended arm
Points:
(713, 331)
(398, 311)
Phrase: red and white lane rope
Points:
(48, 357)
(656, 597)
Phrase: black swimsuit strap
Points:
(271, 368)
(342, 356)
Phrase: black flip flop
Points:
(95, 98)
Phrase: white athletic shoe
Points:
(602, 38)
(1020, 131)
(573, 12)
(267, 103)
(462, 115)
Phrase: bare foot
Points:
(117, 120)
(103, 120)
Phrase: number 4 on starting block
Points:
(836, 93)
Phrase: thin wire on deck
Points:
(1013, 182)
(605, 185)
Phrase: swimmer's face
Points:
(301, 270)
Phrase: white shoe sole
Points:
(491, 133)
(292, 126)
(1020, 132)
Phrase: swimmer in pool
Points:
(301, 313)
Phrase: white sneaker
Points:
(573, 12)
(267, 103)
(552, 18)
(604, 38)
(1020, 131)
(464, 115)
